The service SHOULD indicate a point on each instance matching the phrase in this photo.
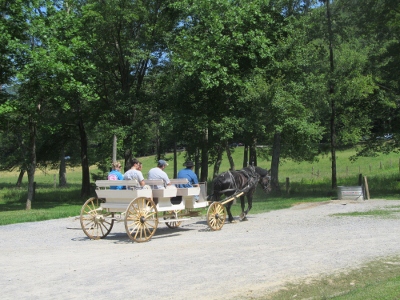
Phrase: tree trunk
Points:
(158, 144)
(114, 150)
(175, 161)
(20, 177)
(217, 164)
(197, 162)
(62, 177)
(229, 155)
(253, 153)
(276, 152)
(204, 157)
(85, 190)
(245, 156)
(128, 159)
(332, 98)
(32, 164)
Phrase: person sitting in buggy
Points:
(115, 174)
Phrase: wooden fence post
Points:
(366, 187)
(360, 179)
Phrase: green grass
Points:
(392, 211)
(378, 280)
(309, 182)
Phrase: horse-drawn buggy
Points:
(142, 209)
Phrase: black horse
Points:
(234, 182)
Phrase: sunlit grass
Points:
(41, 214)
(375, 280)
(386, 212)
(307, 182)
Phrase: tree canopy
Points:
(299, 77)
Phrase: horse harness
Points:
(252, 180)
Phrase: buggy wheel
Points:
(172, 214)
(141, 219)
(216, 216)
(96, 222)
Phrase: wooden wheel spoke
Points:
(132, 210)
(148, 226)
(150, 214)
(91, 212)
(139, 231)
(133, 218)
(103, 226)
(135, 227)
(147, 229)
(87, 218)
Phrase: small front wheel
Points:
(96, 222)
(216, 216)
(141, 219)
(170, 215)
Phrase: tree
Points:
(221, 43)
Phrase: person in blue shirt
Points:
(115, 174)
(189, 174)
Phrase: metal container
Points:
(350, 193)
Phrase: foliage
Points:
(199, 74)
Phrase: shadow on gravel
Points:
(161, 232)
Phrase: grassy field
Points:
(309, 182)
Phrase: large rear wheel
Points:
(141, 219)
(96, 222)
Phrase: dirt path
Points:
(55, 260)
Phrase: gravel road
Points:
(55, 260)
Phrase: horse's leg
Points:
(242, 216)
(249, 205)
(228, 210)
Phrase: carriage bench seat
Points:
(188, 194)
(191, 191)
(162, 197)
(168, 192)
(118, 200)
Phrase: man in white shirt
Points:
(134, 173)
(158, 173)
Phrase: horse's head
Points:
(265, 179)
(266, 183)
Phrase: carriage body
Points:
(141, 209)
